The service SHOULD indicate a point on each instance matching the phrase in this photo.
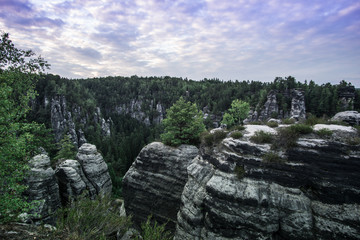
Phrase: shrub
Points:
(237, 113)
(90, 219)
(256, 123)
(237, 128)
(239, 171)
(324, 132)
(272, 157)
(286, 138)
(236, 135)
(151, 230)
(262, 137)
(353, 141)
(213, 138)
(312, 120)
(272, 124)
(288, 121)
(301, 128)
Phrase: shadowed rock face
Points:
(42, 186)
(314, 195)
(350, 117)
(89, 172)
(154, 183)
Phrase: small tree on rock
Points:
(183, 124)
(236, 114)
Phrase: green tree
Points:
(237, 113)
(66, 149)
(183, 124)
(18, 72)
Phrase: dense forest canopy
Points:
(129, 135)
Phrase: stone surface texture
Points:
(350, 117)
(154, 183)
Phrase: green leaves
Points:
(237, 113)
(183, 124)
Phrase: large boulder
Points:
(350, 117)
(154, 183)
(43, 188)
(310, 192)
(89, 172)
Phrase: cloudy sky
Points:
(226, 39)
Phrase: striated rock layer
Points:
(231, 193)
(154, 183)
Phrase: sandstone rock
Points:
(154, 183)
(350, 117)
(298, 110)
(89, 173)
(43, 187)
(270, 107)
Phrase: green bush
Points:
(324, 132)
(262, 137)
(272, 124)
(210, 139)
(312, 120)
(353, 141)
(301, 128)
(237, 128)
(90, 219)
(286, 138)
(272, 157)
(256, 123)
(239, 171)
(151, 230)
(236, 135)
(288, 121)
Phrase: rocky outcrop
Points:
(43, 188)
(154, 183)
(346, 97)
(350, 117)
(89, 172)
(270, 107)
(310, 192)
(298, 110)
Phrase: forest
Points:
(129, 135)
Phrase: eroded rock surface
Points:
(42, 187)
(154, 183)
(231, 193)
(350, 117)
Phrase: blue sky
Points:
(228, 39)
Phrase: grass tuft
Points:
(262, 137)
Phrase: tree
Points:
(66, 149)
(18, 72)
(237, 113)
(183, 124)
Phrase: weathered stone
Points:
(42, 187)
(298, 110)
(350, 117)
(154, 183)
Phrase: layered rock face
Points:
(154, 183)
(298, 110)
(89, 172)
(43, 188)
(233, 193)
(350, 117)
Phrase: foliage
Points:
(272, 157)
(236, 135)
(288, 121)
(66, 149)
(301, 128)
(183, 124)
(312, 120)
(209, 139)
(353, 141)
(237, 113)
(90, 219)
(239, 171)
(151, 230)
(262, 137)
(324, 132)
(272, 124)
(286, 138)
(18, 139)
(237, 128)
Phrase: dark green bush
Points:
(288, 121)
(286, 138)
(262, 137)
(301, 128)
(237, 128)
(151, 230)
(272, 124)
(209, 139)
(272, 157)
(324, 132)
(353, 141)
(239, 171)
(312, 120)
(90, 219)
(256, 123)
(236, 135)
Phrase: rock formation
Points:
(232, 193)
(298, 110)
(346, 97)
(154, 183)
(42, 187)
(89, 172)
(350, 117)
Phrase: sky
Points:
(227, 39)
